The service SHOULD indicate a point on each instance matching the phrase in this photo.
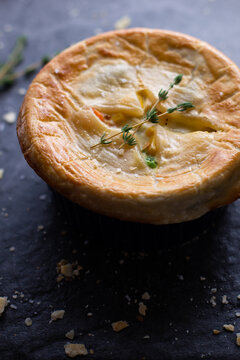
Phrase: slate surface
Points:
(120, 260)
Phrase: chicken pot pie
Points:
(178, 167)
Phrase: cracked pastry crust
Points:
(109, 80)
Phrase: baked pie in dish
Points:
(78, 126)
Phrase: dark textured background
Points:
(166, 261)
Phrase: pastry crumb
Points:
(22, 91)
(213, 301)
(10, 117)
(224, 299)
(28, 322)
(60, 278)
(12, 248)
(140, 318)
(122, 23)
(3, 304)
(238, 339)
(1, 173)
(43, 197)
(229, 327)
(213, 290)
(142, 308)
(216, 332)
(119, 325)
(180, 277)
(70, 334)
(57, 315)
(73, 350)
(237, 314)
(238, 297)
(67, 270)
(14, 307)
(146, 296)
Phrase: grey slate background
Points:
(166, 261)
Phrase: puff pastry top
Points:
(118, 74)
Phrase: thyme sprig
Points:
(7, 74)
(151, 115)
(163, 94)
(14, 59)
(180, 107)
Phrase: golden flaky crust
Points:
(118, 74)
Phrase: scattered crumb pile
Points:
(73, 350)
(67, 270)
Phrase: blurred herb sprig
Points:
(7, 74)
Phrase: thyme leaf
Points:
(104, 141)
(128, 138)
(163, 94)
(152, 115)
(181, 107)
(126, 128)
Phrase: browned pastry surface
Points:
(118, 74)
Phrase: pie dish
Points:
(99, 85)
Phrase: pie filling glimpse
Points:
(119, 93)
(107, 85)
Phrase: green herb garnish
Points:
(104, 141)
(152, 115)
(16, 56)
(181, 107)
(7, 74)
(128, 138)
(126, 128)
(151, 162)
(163, 94)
